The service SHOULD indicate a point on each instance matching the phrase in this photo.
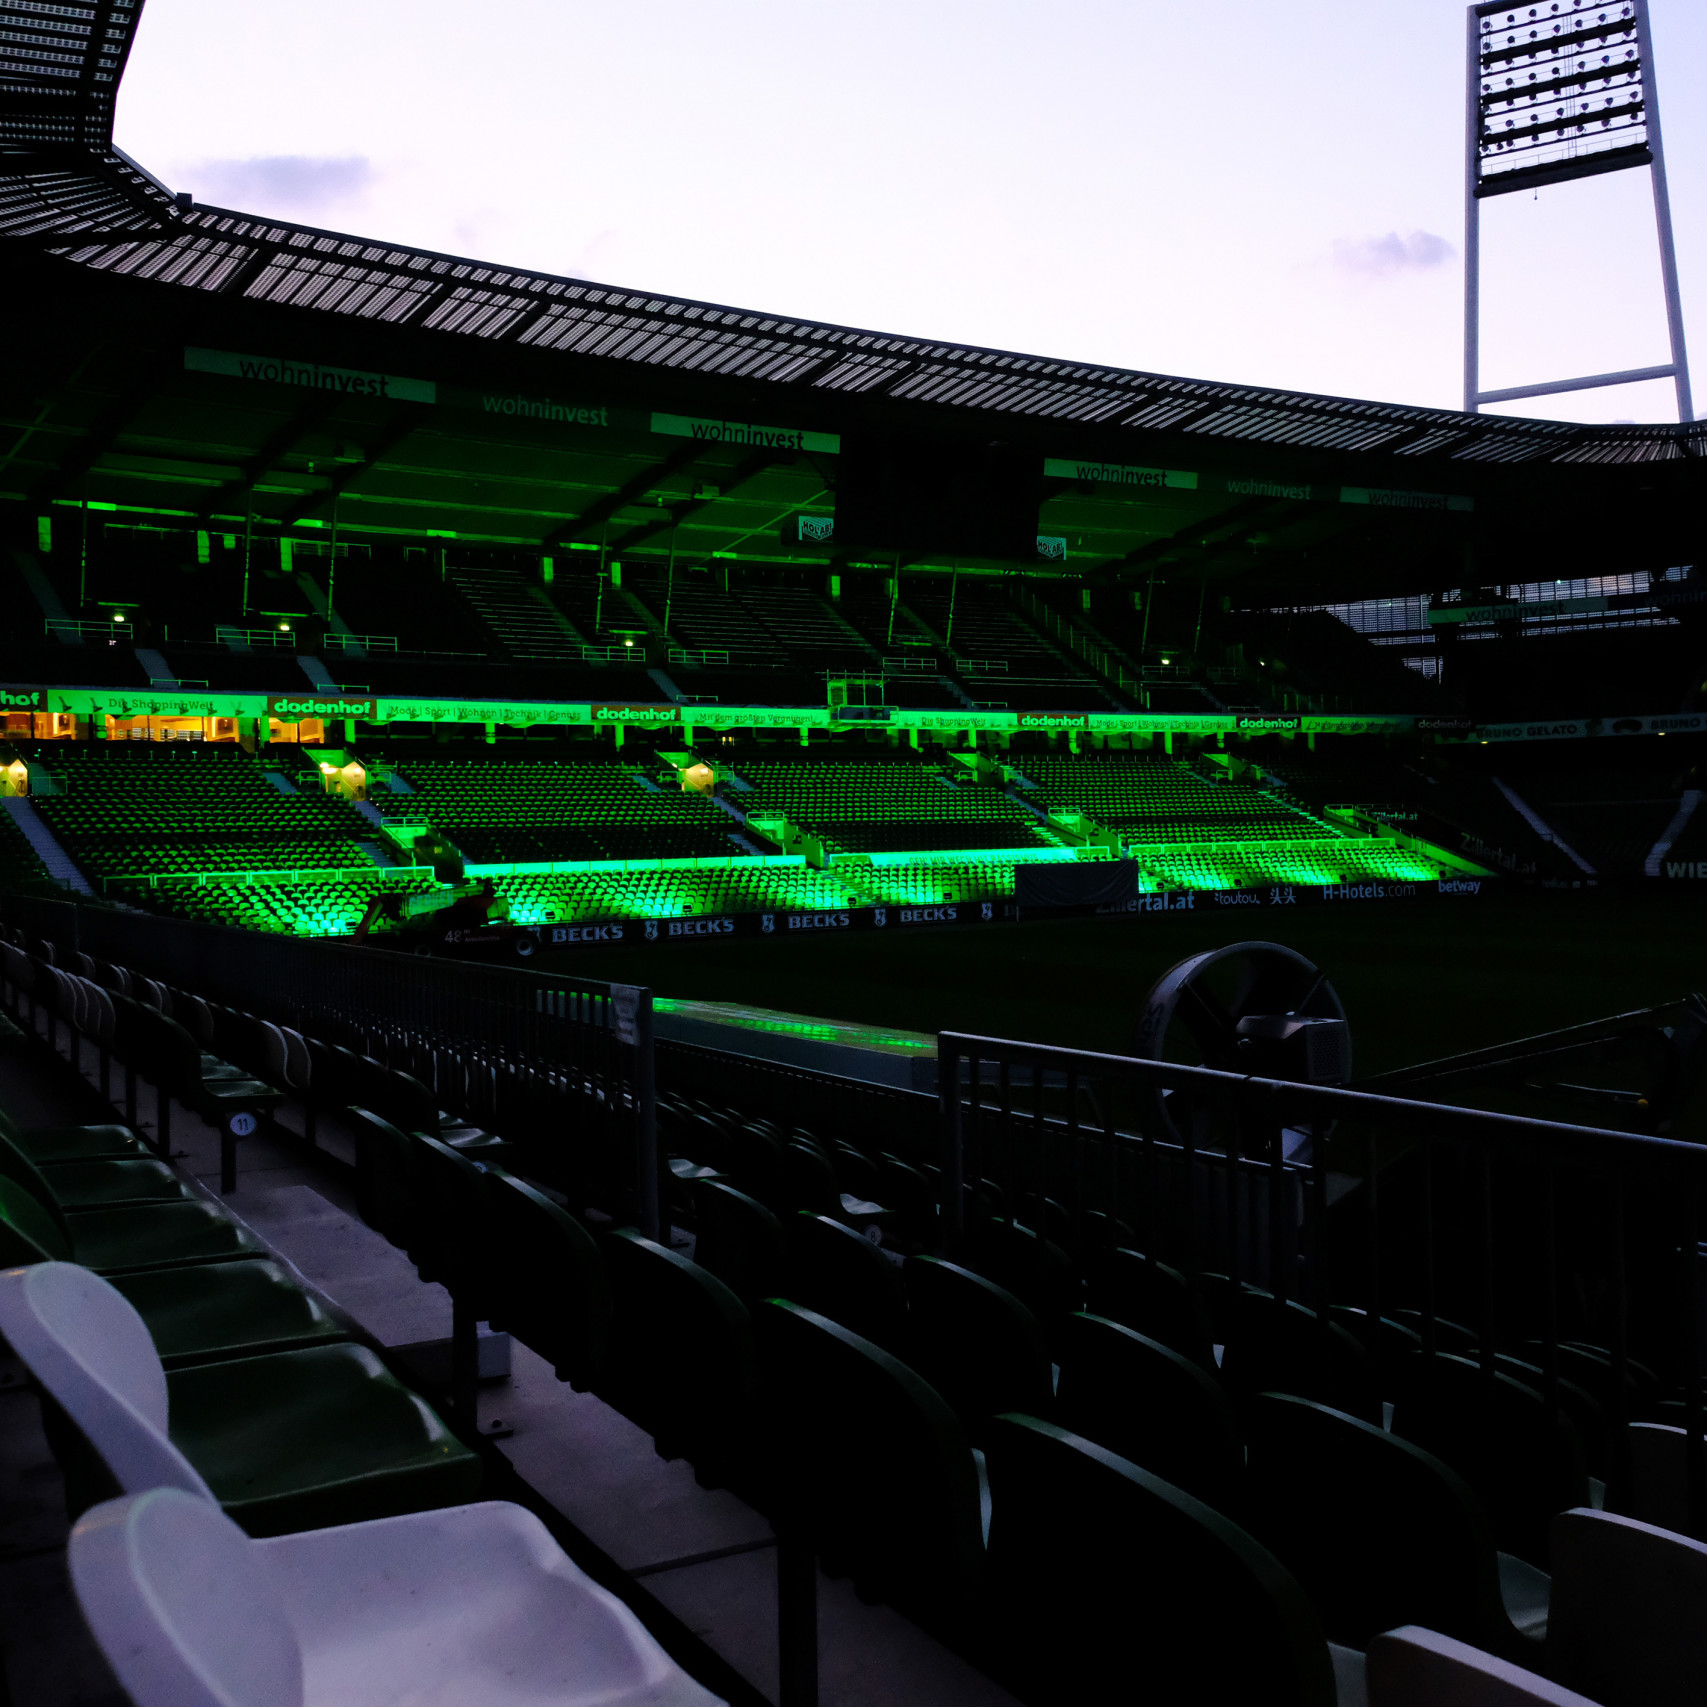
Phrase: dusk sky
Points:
(1228, 189)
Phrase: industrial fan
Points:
(1254, 1008)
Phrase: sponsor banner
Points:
(745, 433)
(527, 406)
(1444, 725)
(1589, 728)
(1439, 614)
(1452, 887)
(1054, 720)
(291, 708)
(23, 699)
(637, 714)
(1385, 499)
(796, 926)
(633, 932)
(1117, 474)
(1052, 547)
(317, 376)
(1690, 870)
(1269, 722)
(516, 712)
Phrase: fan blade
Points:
(1209, 1024)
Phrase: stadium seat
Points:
(209, 1313)
(471, 1604)
(739, 1240)
(1155, 1300)
(1413, 1667)
(1381, 1533)
(102, 1184)
(869, 1464)
(1500, 1436)
(1657, 1488)
(834, 1271)
(126, 1240)
(682, 1361)
(1626, 1624)
(289, 1440)
(975, 1343)
(45, 1144)
(1104, 1583)
(1283, 1346)
(549, 1287)
(1145, 1402)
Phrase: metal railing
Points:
(114, 632)
(562, 1064)
(1534, 1234)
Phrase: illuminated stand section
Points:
(1556, 92)
(720, 821)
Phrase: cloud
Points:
(1386, 257)
(284, 184)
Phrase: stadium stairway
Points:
(58, 864)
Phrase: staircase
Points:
(525, 623)
(60, 866)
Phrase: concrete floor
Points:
(698, 1563)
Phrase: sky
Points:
(1246, 190)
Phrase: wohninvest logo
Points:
(317, 376)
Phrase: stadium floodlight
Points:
(1555, 91)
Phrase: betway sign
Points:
(292, 708)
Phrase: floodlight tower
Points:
(1559, 90)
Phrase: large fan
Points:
(1255, 1008)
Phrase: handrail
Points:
(1533, 1231)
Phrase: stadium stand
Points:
(498, 811)
(165, 809)
(886, 804)
(792, 1362)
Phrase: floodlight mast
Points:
(1591, 64)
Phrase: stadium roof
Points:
(80, 208)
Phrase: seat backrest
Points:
(1525, 1464)
(739, 1240)
(1657, 1490)
(29, 1230)
(840, 1275)
(683, 1362)
(1625, 1624)
(388, 1193)
(83, 1341)
(1103, 1579)
(873, 1462)
(1379, 1532)
(181, 1606)
(1282, 1346)
(16, 1165)
(974, 1342)
(550, 1287)
(1413, 1667)
(1152, 1405)
(1036, 1271)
